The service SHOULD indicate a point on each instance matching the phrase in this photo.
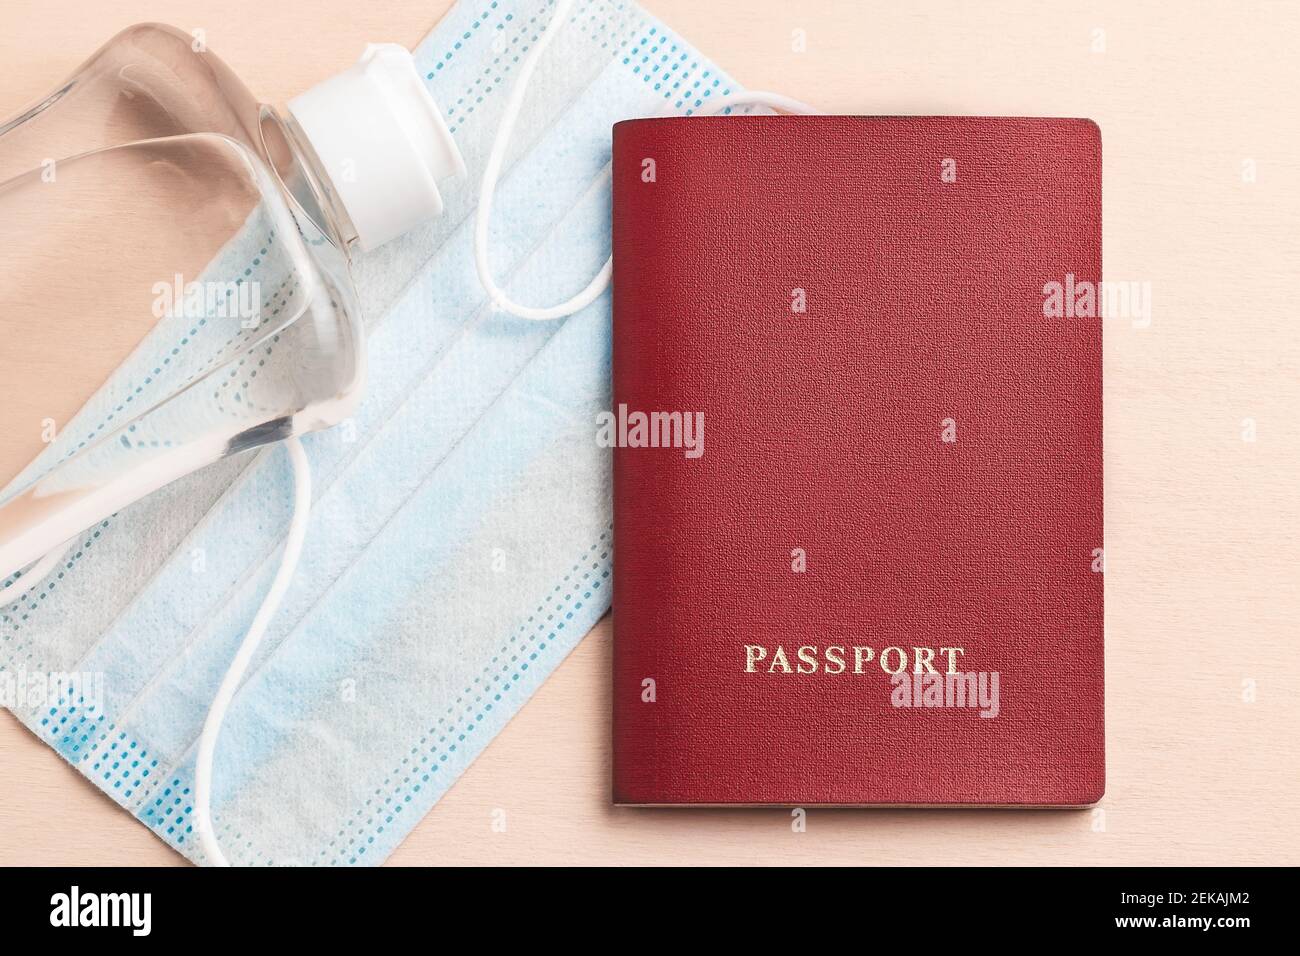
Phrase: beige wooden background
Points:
(1202, 527)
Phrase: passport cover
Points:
(858, 461)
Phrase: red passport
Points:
(858, 461)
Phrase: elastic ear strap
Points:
(244, 656)
(488, 186)
(786, 104)
(487, 189)
(38, 572)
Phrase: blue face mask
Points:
(459, 540)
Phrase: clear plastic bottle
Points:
(173, 244)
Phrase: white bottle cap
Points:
(382, 141)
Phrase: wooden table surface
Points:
(1202, 527)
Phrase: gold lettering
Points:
(884, 660)
(833, 659)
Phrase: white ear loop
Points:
(235, 672)
(487, 188)
(38, 572)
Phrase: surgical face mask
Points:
(459, 538)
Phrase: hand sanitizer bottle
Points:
(173, 244)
